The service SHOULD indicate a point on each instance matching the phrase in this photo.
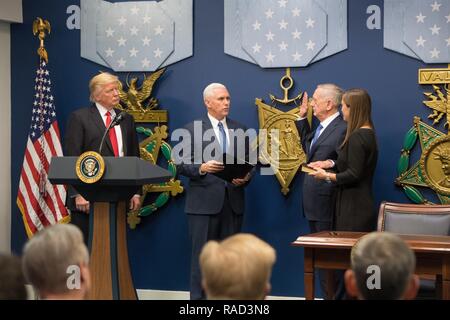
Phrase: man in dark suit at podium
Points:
(214, 206)
(84, 132)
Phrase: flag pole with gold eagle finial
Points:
(40, 26)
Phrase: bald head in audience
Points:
(382, 269)
(55, 262)
(237, 268)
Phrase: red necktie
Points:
(112, 135)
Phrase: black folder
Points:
(234, 168)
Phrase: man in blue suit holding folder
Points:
(214, 206)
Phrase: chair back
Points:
(406, 218)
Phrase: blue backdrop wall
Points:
(159, 248)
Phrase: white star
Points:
(147, 19)
(296, 12)
(421, 18)
(310, 23)
(257, 25)
(270, 36)
(269, 14)
(283, 46)
(283, 24)
(157, 53)
(145, 63)
(109, 52)
(121, 62)
(146, 41)
(133, 52)
(420, 41)
(109, 32)
(122, 21)
(435, 30)
(448, 41)
(134, 31)
(256, 48)
(448, 18)
(435, 53)
(282, 3)
(134, 10)
(296, 34)
(158, 30)
(121, 41)
(269, 57)
(310, 45)
(435, 6)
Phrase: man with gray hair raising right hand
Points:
(321, 144)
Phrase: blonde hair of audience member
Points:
(359, 103)
(47, 258)
(12, 281)
(237, 268)
(98, 82)
(396, 263)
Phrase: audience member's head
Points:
(12, 281)
(55, 262)
(237, 268)
(382, 267)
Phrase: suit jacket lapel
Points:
(328, 130)
(98, 121)
(124, 130)
(207, 125)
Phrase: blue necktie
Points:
(223, 137)
(316, 136)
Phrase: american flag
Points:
(41, 203)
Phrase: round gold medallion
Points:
(435, 165)
(90, 167)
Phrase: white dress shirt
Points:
(215, 125)
(102, 110)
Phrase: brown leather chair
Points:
(404, 218)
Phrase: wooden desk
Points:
(331, 250)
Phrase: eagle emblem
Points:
(439, 103)
(39, 27)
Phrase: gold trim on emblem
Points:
(435, 165)
(90, 167)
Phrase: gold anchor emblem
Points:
(282, 134)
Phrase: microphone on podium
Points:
(116, 121)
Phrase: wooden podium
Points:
(109, 264)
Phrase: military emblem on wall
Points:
(432, 170)
(281, 133)
(137, 100)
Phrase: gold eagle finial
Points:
(39, 27)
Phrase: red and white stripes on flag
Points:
(41, 203)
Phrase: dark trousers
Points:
(203, 228)
(81, 220)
